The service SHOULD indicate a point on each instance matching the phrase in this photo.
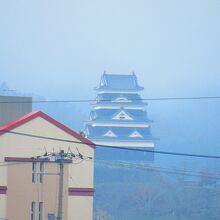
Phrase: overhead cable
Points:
(115, 147)
(110, 100)
(123, 164)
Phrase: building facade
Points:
(13, 107)
(119, 117)
(29, 184)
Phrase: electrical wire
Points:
(150, 166)
(123, 164)
(110, 100)
(145, 166)
(126, 165)
(115, 147)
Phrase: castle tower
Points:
(118, 117)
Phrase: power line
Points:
(162, 152)
(124, 164)
(134, 165)
(115, 147)
(140, 164)
(110, 100)
(166, 170)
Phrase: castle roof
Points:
(118, 97)
(111, 115)
(119, 82)
(119, 133)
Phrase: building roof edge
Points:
(32, 115)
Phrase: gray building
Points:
(13, 107)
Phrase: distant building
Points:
(25, 192)
(119, 117)
(13, 107)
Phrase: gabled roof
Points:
(107, 115)
(135, 134)
(30, 116)
(119, 82)
(113, 96)
(122, 115)
(109, 133)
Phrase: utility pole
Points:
(60, 159)
(61, 175)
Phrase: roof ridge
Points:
(121, 74)
(32, 115)
(11, 123)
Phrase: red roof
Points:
(32, 115)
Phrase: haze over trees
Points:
(123, 194)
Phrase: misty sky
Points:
(59, 49)
(173, 46)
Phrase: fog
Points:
(58, 51)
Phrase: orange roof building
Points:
(29, 186)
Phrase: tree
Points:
(100, 214)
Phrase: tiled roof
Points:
(116, 99)
(124, 104)
(108, 114)
(121, 133)
(116, 96)
(119, 82)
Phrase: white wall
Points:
(3, 206)
(75, 211)
(80, 174)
